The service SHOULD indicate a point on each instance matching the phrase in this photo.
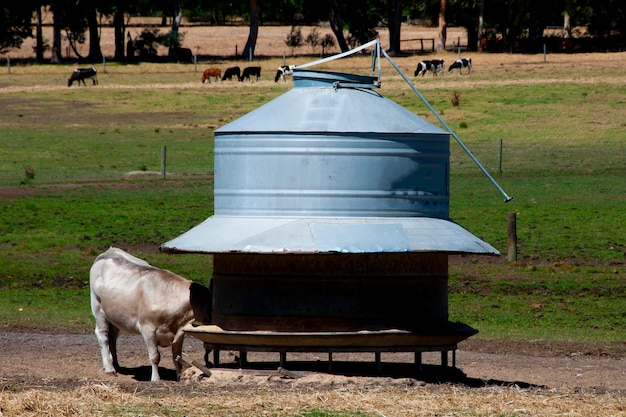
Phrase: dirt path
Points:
(70, 360)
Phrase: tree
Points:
(294, 39)
(395, 24)
(327, 42)
(336, 24)
(313, 39)
(174, 43)
(15, 23)
(443, 25)
(57, 25)
(255, 17)
(95, 52)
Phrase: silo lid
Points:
(330, 102)
(235, 234)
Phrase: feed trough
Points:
(331, 229)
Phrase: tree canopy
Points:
(490, 24)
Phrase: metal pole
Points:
(9, 64)
(507, 198)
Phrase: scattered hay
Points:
(261, 396)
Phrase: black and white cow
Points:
(80, 74)
(460, 64)
(250, 72)
(435, 66)
(232, 72)
(283, 71)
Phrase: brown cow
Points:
(211, 72)
(129, 294)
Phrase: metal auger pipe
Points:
(507, 198)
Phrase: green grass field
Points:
(66, 196)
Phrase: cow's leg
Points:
(149, 337)
(177, 350)
(113, 334)
(102, 334)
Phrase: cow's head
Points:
(201, 299)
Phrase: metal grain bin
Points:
(331, 214)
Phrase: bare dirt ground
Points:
(68, 360)
(61, 375)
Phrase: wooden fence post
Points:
(163, 161)
(512, 237)
(500, 158)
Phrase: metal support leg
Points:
(418, 360)
(243, 359)
(377, 360)
(444, 358)
(330, 361)
(283, 359)
(216, 358)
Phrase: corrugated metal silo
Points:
(332, 215)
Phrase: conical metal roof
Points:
(330, 166)
(328, 102)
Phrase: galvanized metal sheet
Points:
(322, 108)
(390, 339)
(225, 234)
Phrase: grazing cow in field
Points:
(435, 66)
(283, 71)
(129, 294)
(80, 74)
(460, 64)
(232, 72)
(211, 72)
(250, 72)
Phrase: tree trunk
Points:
(57, 56)
(395, 24)
(255, 17)
(95, 53)
(174, 41)
(336, 24)
(39, 37)
(567, 28)
(443, 26)
(119, 29)
(481, 22)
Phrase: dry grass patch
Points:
(289, 398)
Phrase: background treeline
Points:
(492, 25)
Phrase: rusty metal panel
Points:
(330, 292)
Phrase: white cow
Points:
(129, 294)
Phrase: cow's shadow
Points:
(144, 373)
